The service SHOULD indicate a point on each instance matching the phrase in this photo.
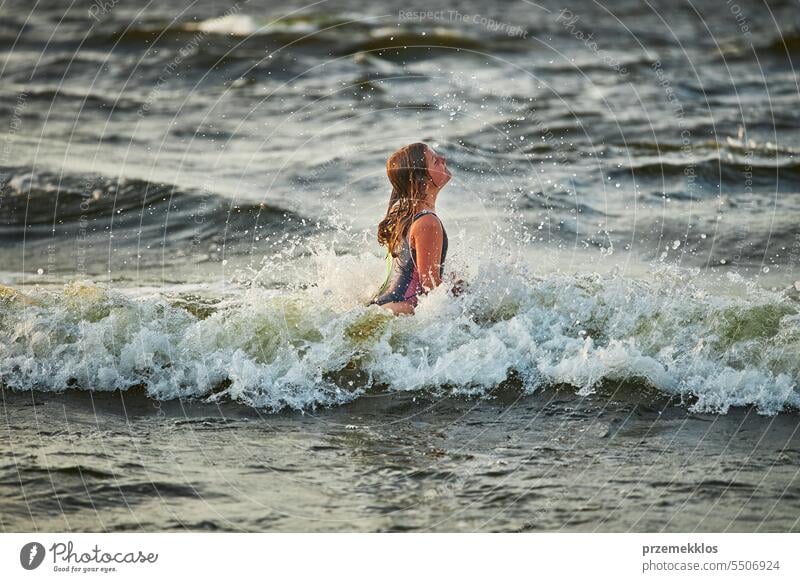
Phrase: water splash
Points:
(318, 344)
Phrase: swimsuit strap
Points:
(423, 213)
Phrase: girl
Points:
(411, 231)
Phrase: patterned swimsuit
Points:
(403, 282)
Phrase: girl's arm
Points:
(426, 237)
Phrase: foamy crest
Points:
(319, 344)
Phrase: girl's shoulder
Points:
(426, 222)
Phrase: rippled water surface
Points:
(552, 461)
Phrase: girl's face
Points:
(437, 168)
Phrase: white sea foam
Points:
(246, 25)
(319, 344)
(233, 24)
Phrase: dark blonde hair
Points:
(408, 173)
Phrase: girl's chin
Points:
(441, 183)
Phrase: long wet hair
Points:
(408, 174)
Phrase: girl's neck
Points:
(429, 203)
(421, 206)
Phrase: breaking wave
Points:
(320, 345)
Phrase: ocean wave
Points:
(785, 43)
(718, 172)
(136, 220)
(731, 145)
(238, 31)
(319, 345)
(782, 45)
(89, 100)
(32, 198)
(247, 25)
(341, 35)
